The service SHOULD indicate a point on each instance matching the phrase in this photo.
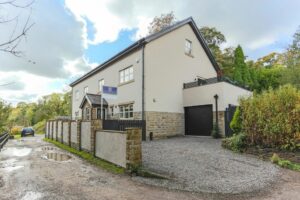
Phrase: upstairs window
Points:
(126, 111)
(188, 47)
(86, 89)
(126, 75)
(101, 83)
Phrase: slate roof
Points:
(138, 44)
(94, 100)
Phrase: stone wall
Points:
(85, 136)
(59, 130)
(66, 132)
(221, 121)
(164, 124)
(74, 142)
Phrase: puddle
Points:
(1, 182)
(57, 156)
(10, 169)
(49, 148)
(19, 152)
(32, 196)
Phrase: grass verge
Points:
(285, 163)
(90, 158)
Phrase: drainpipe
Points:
(216, 103)
(143, 90)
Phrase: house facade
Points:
(150, 77)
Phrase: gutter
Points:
(143, 89)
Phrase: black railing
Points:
(3, 139)
(201, 81)
(121, 125)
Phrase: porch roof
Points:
(94, 100)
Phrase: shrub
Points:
(275, 158)
(272, 118)
(237, 143)
(236, 122)
(215, 133)
(16, 130)
(40, 127)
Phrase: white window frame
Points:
(100, 85)
(126, 111)
(126, 75)
(86, 89)
(112, 110)
(188, 47)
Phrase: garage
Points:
(198, 120)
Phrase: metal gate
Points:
(198, 120)
(228, 117)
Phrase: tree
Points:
(241, 72)
(213, 38)
(159, 23)
(16, 36)
(4, 113)
(292, 56)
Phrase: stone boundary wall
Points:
(85, 138)
(65, 132)
(123, 148)
(164, 124)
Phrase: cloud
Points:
(243, 22)
(11, 83)
(55, 37)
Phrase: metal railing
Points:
(201, 81)
(3, 139)
(121, 125)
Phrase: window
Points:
(112, 110)
(126, 111)
(188, 47)
(87, 113)
(126, 75)
(86, 89)
(101, 83)
(98, 113)
(77, 95)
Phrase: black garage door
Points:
(198, 120)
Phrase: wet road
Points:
(31, 169)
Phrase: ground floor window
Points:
(126, 111)
(87, 114)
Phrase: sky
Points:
(70, 37)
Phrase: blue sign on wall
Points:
(109, 90)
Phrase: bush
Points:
(236, 122)
(16, 130)
(237, 143)
(272, 118)
(40, 127)
(215, 133)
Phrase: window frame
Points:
(126, 111)
(86, 89)
(100, 86)
(126, 75)
(188, 47)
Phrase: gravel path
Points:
(200, 164)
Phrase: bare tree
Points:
(159, 23)
(16, 36)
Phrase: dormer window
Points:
(188, 47)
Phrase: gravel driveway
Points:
(200, 164)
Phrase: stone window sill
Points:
(125, 83)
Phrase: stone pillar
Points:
(69, 132)
(62, 131)
(79, 134)
(221, 121)
(52, 124)
(133, 148)
(56, 129)
(96, 125)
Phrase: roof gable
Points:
(137, 45)
(93, 99)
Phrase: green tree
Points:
(4, 113)
(241, 72)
